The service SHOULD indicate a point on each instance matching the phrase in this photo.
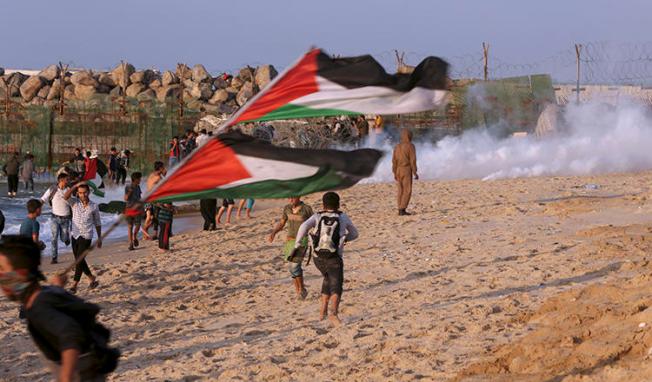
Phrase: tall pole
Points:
(485, 54)
(578, 50)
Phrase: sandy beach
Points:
(536, 279)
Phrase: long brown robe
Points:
(404, 167)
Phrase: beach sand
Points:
(521, 279)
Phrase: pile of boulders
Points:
(224, 93)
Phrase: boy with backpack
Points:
(294, 214)
(331, 229)
(63, 327)
(61, 214)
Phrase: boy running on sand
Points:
(132, 196)
(30, 226)
(294, 214)
(248, 205)
(332, 229)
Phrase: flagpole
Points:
(221, 127)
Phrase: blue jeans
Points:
(60, 227)
(172, 162)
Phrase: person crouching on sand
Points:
(294, 214)
(62, 326)
(331, 229)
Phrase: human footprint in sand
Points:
(294, 214)
(331, 229)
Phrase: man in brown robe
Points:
(404, 166)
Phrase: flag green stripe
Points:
(291, 111)
(325, 179)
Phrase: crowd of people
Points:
(65, 336)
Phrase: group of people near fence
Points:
(15, 170)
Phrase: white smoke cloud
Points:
(597, 139)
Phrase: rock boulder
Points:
(121, 74)
(134, 89)
(183, 72)
(264, 74)
(31, 87)
(84, 92)
(245, 93)
(84, 78)
(49, 73)
(106, 79)
(169, 78)
(202, 91)
(168, 91)
(219, 97)
(200, 74)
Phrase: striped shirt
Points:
(84, 218)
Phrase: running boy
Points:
(62, 326)
(30, 226)
(132, 196)
(331, 230)
(294, 214)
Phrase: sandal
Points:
(94, 284)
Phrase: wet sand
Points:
(521, 279)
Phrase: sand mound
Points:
(602, 331)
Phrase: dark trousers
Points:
(164, 233)
(208, 208)
(12, 183)
(121, 176)
(79, 245)
(333, 271)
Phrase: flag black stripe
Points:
(361, 71)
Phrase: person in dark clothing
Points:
(113, 164)
(123, 167)
(208, 208)
(62, 326)
(132, 197)
(11, 171)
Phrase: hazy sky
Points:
(225, 35)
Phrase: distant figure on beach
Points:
(10, 169)
(331, 230)
(132, 197)
(61, 214)
(208, 210)
(85, 217)
(123, 166)
(404, 167)
(247, 205)
(203, 137)
(114, 160)
(77, 161)
(294, 214)
(151, 209)
(30, 226)
(362, 126)
(63, 327)
(174, 155)
(27, 173)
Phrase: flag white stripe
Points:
(371, 99)
(270, 169)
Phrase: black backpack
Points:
(325, 237)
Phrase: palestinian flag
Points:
(318, 85)
(235, 165)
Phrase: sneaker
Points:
(131, 247)
(54, 261)
(135, 242)
(67, 242)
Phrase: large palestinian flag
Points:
(318, 85)
(235, 165)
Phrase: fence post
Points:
(485, 54)
(578, 50)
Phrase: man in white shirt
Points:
(203, 137)
(85, 217)
(60, 220)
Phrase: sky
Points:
(225, 35)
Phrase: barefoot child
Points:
(227, 205)
(248, 205)
(165, 214)
(331, 230)
(294, 214)
(132, 196)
